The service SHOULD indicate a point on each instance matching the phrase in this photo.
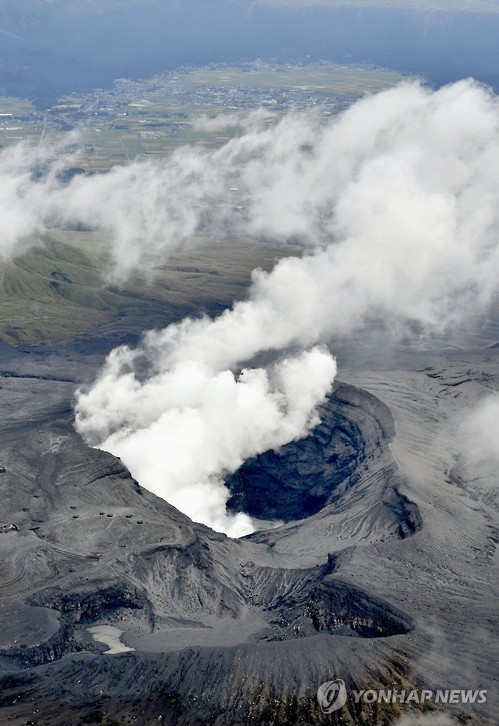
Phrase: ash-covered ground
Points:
(116, 608)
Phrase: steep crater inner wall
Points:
(302, 478)
(337, 608)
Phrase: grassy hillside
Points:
(58, 289)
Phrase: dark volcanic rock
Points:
(337, 607)
(302, 478)
(221, 629)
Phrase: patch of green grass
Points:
(337, 80)
(60, 289)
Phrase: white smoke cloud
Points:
(189, 423)
(399, 197)
(478, 445)
(398, 201)
(405, 177)
(479, 432)
(21, 197)
(235, 120)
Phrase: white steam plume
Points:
(401, 194)
(26, 176)
(398, 199)
(408, 172)
(479, 433)
(478, 445)
(189, 423)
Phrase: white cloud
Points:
(480, 430)
(397, 199)
(190, 422)
(403, 183)
(478, 449)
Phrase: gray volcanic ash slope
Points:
(391, 582)
(304, 476)
(382, 571)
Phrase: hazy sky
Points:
(446, 6)
(48, 49)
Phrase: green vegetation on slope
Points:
(58, 289)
